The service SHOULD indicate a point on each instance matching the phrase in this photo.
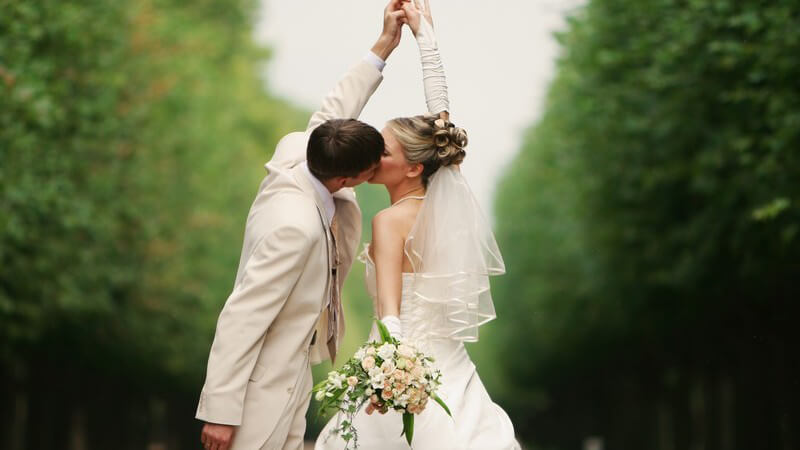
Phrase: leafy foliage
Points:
(650, 229)
(132, 140)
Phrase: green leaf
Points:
(319, 386)
(441, 403)
(384, 332)
(771, 210)
(408, 427)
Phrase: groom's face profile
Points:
(362, 177)
(339, 149)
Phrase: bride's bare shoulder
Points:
(394, 221)
(387, 220)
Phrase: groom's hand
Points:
(217, 437)
(393, 19)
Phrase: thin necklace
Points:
(406, 196)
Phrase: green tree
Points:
(650, 230)
(132, 140)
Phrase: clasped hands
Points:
(397, 13)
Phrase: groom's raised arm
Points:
(348, 98)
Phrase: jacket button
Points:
(289, 390)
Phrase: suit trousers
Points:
(291, 428)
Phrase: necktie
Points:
(335, 312)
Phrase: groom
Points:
(284, 313)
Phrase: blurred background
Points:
(640, 161)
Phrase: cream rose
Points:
(406, 351)
(387, 367)
(368, 362)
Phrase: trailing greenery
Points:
(650, 229)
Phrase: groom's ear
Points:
(340, 182)
(415, 170)
(335, 183)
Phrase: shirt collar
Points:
(324, 193)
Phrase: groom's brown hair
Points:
(343, 148)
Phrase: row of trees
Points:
(650, 228)
(132, 139)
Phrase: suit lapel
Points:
(300, 176)
(348, 217)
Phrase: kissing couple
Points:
(427, 268)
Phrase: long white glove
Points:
(433, 77)
(394, 326)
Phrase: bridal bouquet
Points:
(388, 373)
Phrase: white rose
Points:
(402, 400)
(360, 353)
(378, 382)
(352, 381)
(370, 351)
(386, 351)
(376, 377)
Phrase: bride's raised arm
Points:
(420, 21)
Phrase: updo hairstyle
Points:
(431, 141)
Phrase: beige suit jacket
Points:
(262, 349)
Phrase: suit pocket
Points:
(258, 372)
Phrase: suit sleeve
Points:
(269, 276)
(348, 98)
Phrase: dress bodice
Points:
(370, 279)
(415, 314)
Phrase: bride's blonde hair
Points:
(430, 141)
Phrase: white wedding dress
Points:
(477, 422)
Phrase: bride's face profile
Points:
(393, 168)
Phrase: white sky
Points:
(499, 57)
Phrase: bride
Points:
(428, 265)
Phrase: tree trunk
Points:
(77, 429)
(20, 421)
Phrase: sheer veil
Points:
(451, 246)
(453, 252)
